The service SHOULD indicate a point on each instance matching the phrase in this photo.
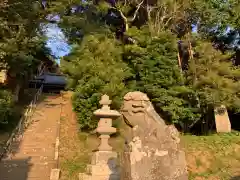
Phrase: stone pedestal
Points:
(104, 166)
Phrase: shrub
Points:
(153, 62)
(95, 68)
(6, 106)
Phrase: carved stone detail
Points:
(152, 149)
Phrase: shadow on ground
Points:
(15, 169)
(112, 164)
(235, 178)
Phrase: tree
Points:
(154, 65)
(214, 78)
(95, 68)
(22, 47)
(148, 32)
(21, 40)
(6, 106)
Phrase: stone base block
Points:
(104, 157)
(55, 174)
(89, 177)
(104, 166)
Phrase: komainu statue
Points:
(152, 149)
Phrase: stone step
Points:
(23, 177)
(103, 157)
(26, 173)
(29, 153)
(18, 155)
(24, 165)
(39, 131)
(89, 177)
(37, 144)
(34, 156)
(35, 128)
(33, 133)
(29, 163)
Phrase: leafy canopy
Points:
(132, 45)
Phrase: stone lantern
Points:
(105, 128)
(104, 161)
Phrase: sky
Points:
(56, 41)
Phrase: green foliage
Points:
(96, 68)
(20, 37)
(154, 64)
(22, 48)
(214, 78)
(6, 105)
(99, 64)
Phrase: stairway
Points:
(33, 157)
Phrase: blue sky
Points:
(56, 41)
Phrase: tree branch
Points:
(135, 13)
(126, 21)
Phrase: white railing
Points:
(24, 122)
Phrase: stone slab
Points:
(89, 177)
(103, 157)
(55, 174)
(222, 121)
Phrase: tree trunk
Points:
(16, 92)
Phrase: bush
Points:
(95, 68)
(6, 106)
(154, 63)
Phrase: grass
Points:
(76, 148)
(77, 157)
(213, 157)
(73, 156)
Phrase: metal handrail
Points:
(24, 122)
